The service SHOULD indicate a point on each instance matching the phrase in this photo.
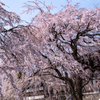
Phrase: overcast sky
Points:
(16, 5)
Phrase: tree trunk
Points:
(72, 91)
(76, 95)
(79, 88)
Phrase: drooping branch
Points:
(52, 65)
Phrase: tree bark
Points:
(76, 95)
(79, 88)
(72, 91)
